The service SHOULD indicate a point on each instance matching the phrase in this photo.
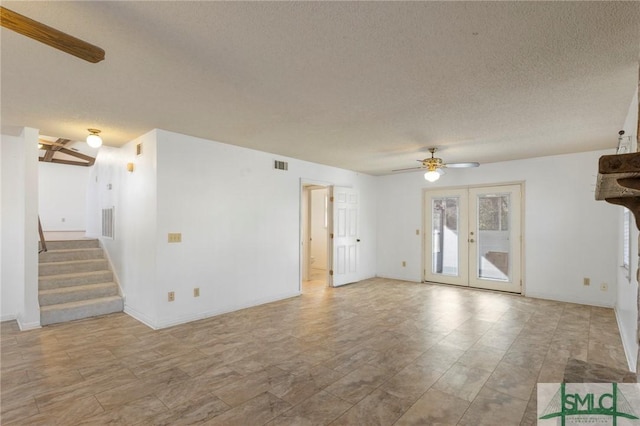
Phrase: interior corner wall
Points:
(567, 234)
(19, 279)
(240, 224)
(62, 196)
(627, 283)
(132, 251)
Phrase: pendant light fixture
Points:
(94, 140)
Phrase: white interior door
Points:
(473, 237)
(344, 241)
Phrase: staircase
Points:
(75, 282)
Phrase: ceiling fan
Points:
(434, 166)
(50, 36)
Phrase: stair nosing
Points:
(70, 289)
(68, 262)
(72, 249)
(73, 274)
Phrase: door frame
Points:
(426, 228)
(305, 184)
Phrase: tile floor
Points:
(377, 352)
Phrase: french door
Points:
(473, 237)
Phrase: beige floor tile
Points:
(462, 382)
(359, 383)
(512, 380)
(480, 356)
(367, 353)
(256, 411)
(492, 408)
(435, 408)
(127, 414)
(320, 409)
(379, 408)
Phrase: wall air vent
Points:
(108, 218)
(280, 165)
(139, 149)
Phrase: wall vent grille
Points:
(139, 149)
(108, 217)
(280, 165)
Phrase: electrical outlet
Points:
(171, 296)
(196, 292)
(586, 281)
(175, 237)
(404, 263)
(604, 287)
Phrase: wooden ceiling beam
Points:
(68, 162)
(48, 156)
(87, 158)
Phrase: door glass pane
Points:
(445, 214)
(493, 236)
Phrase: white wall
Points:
(239, 219)
(626, 303)
(568, 235)
(19, 234)
(318, 229)
(240, 225)
(132, 251)
(62, 197)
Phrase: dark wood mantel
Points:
(619, 181)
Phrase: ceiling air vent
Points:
(280, 165)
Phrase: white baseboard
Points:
(212, 313)
(576, 300)
(630, 353)
(8, 317)
(398, 278)
(139, 316)
(24, 326)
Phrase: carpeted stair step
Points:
(73, 294)
(65, 255)
(72, 244)
(48, 282)
(64, 312)
(56, 268)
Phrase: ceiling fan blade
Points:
(50, 36)
(461, 165)
(407, 169)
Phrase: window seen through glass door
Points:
(446, 215)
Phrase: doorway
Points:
(315, 241)
(473, 237)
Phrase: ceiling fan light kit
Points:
(435, 166)
(94, 140)
(432, 176)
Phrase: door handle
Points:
(358, 240)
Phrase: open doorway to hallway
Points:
(315, 241)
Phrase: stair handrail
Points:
(43, 242)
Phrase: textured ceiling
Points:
(366, 86)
